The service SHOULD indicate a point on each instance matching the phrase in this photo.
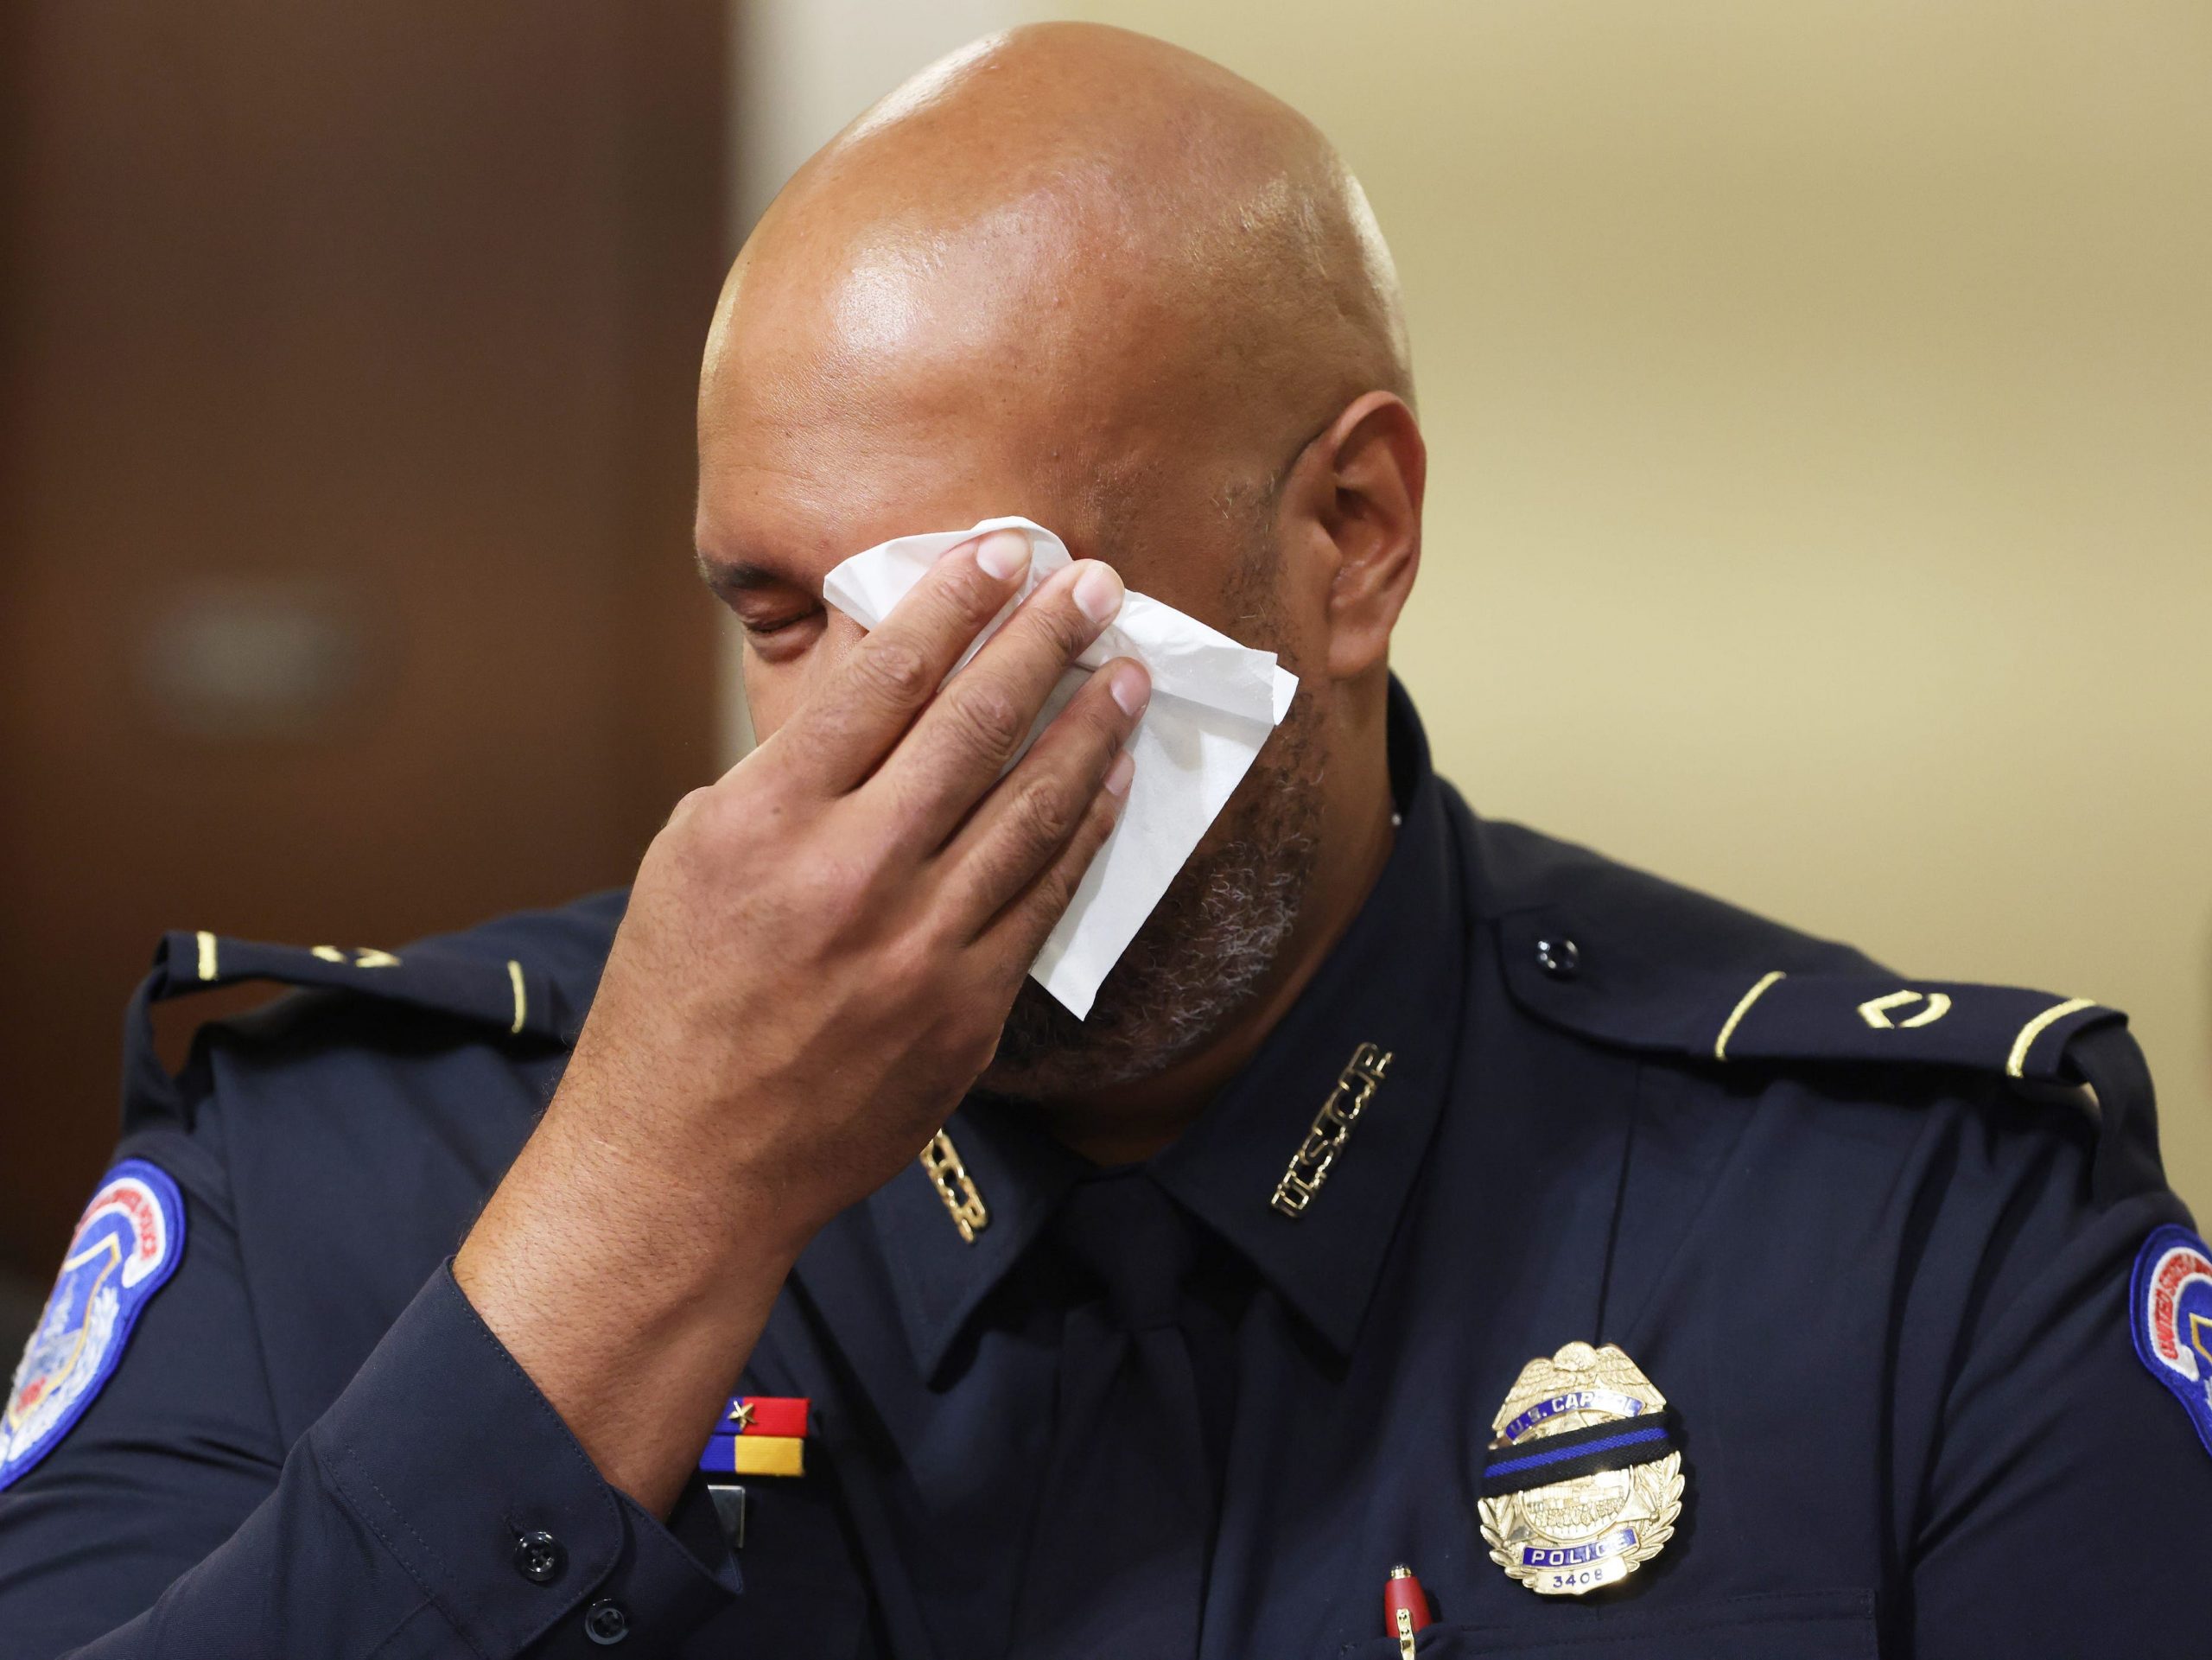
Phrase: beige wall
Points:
(1819, 397)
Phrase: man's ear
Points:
(1359, 486)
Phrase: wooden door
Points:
(345, 505)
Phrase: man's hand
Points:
(822, 948)
(819, 953)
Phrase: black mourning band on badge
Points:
(1612, 1445)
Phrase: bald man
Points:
(1435, 1241)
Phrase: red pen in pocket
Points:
(1405, 1608)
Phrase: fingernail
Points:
(1003, 554)
(1119, 774)
(1098, 592)
(1132, 689)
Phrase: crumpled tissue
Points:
(1213, 704)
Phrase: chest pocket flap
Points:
(1802, 1624)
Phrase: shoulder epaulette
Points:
(504, 993)
(1851, 1013)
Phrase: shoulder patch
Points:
(2170, 1310)
(125, 1247)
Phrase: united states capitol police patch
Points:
(2170, 1308)
(125, 1247)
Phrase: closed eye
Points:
(780, 617)
(781, 636)
(765, 626)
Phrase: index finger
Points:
(854, 718)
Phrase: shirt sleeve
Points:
(2067, 1503)
(439, 1506)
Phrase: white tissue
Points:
(1213, 703)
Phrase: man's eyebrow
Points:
(739, 575)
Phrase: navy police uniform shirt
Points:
(1898, 1253)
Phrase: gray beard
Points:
(1200, 957)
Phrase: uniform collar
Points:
(1396, 980)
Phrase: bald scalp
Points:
(1086, 212)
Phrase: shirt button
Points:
(1558, 956)
(540, 1558)
(605, 1623)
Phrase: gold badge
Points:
(1584, 1478)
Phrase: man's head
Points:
(1076, 274)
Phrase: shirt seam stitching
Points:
(352, 1502)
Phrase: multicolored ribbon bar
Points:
(758, 1435)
